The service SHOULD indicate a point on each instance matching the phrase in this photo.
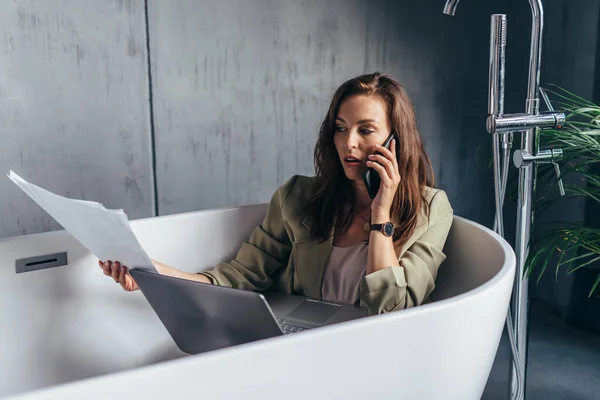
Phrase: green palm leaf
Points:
(568, 245)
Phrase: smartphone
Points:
(371, 177)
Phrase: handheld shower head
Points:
(450, 7)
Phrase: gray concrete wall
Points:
(240, 88)
(74, 113)
(238, 91)
(569, 60)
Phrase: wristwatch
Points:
(387, 229)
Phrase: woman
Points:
(324, 237)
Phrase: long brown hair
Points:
(332, 190)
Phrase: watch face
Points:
(388, 229)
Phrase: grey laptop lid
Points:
(202, 317)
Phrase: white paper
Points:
(106, 233)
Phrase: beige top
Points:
(283, 254)
(346, 267)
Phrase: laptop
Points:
(201, 317)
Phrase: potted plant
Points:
(563, 245)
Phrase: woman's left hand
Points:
(386, 165)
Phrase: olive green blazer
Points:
(282, 254)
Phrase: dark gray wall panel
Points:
(240, 88)
(239, 91)
(74, 113)
(570, 53)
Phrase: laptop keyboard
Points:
(287, 328)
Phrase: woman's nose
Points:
(351, 139)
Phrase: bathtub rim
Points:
(508, 266)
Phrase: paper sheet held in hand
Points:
(106, 233)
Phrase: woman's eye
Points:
(339, 128)
(366, 131)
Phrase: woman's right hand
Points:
(119, 273)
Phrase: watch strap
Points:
(387, 228)
(376, 227)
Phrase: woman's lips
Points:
(352, 162)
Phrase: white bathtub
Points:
(70, 332)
